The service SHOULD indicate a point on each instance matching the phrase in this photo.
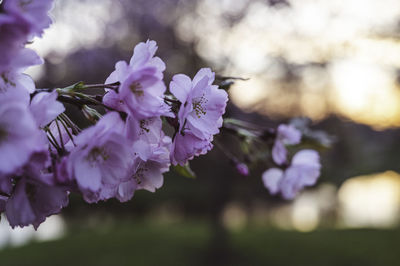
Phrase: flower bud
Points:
(242, 169)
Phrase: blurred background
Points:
(337, 62)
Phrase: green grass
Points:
(325, 248)
(189, 244)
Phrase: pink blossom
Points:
(19, 135)
(102, 158)
(32, 202)
(199, 116)
(151, 149)
(141, 90)
(34, 13)
(304, 171)
(286, 135)
(45, 107)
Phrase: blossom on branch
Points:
(303, 171)
(199, 116)
(151, 149)
(141, 90)
(101, 160)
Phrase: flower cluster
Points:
(44, 155)
(282, 177)
(303, 171)
(28, 193)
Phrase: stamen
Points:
(97, 155)
(198, 106)
(144, 123)
(139, 174)
(136, 89)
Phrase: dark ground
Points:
(127, 243)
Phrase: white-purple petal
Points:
(288, 134)
(45, 107)
(272, 179)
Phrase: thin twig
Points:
(235, 78)
(71, 124)
(54, 139)
(52, 142)
(171, 100)
(60, 133)
(100, 86)
(67, 129)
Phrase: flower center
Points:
(139, 174)
(97, 155)
(136, 88)
(198, 106)
(144, 126)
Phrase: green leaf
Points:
(79, 85)
(72, 88)
(185, 170)
(245, 145)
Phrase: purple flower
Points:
(35, 194)
(61, 136)
(14, 34)
(203, 104)
(152, 150)
(184, 148)
(61, 174)
(141, 90)
(150, 167)
(32, 202)
(34, 13)
(143, 56)
(286, 135)
(304, 171)
(45, 108)
(126, 190)
(11, 76)
(200, 114)
(148, 130)
(102, 158)
(17, 26)
(19, 134)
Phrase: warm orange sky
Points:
(353, 35)
(356, 37)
